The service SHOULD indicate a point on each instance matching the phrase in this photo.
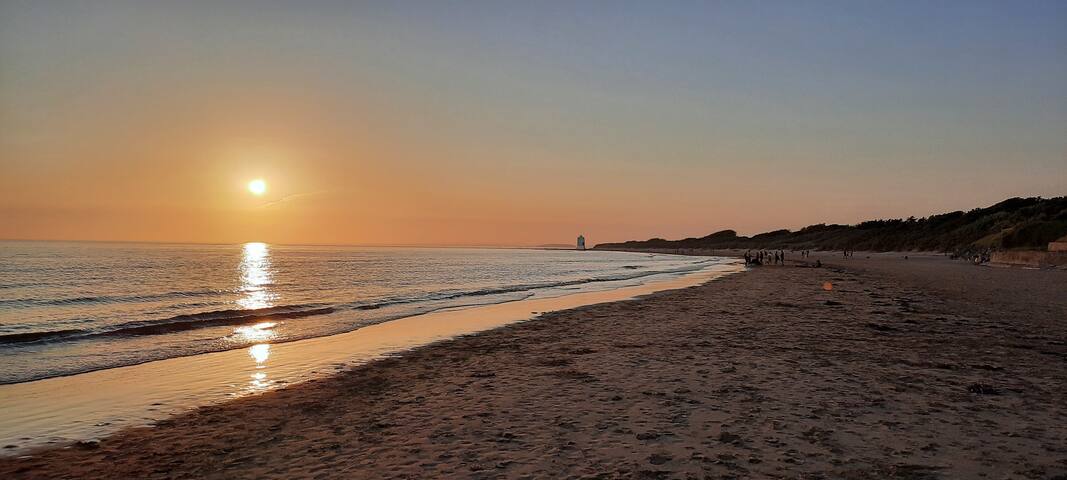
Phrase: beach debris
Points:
(983, 389)
(88, 444)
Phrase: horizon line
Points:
(558, 246)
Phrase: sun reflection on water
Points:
(259, 382)
(256, 280)
(256, 276)
(260, 353)
(256, 333)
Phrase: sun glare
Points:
(257, 187)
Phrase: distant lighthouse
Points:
(581, 242)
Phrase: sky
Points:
(518, 123)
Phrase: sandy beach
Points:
(326, 239)
(865, 368)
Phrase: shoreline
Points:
(143, 337)
(139, 394)
(903, 369)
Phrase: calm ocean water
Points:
(68, 308)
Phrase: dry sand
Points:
(918, 368)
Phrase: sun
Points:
(257, 186)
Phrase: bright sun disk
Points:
(257, 186)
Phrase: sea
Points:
(73, 307)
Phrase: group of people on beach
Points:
(977, 255)
(764, 256)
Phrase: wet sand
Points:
(88, 406)
(919, 368)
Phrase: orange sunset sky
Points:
(423, 123)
